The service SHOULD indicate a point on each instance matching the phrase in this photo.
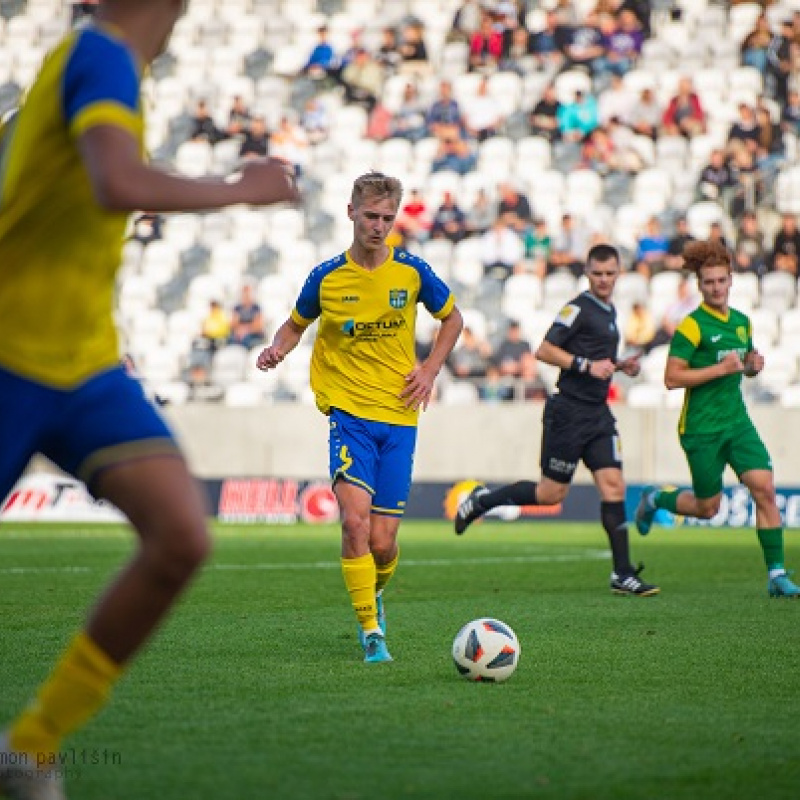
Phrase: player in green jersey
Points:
(710, 351)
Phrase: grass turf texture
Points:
(255, 688)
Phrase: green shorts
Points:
(709, 453)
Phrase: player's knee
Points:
(175, 557)
(551, 493)
(355, 526)
(706, 509)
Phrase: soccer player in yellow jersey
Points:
(71, 169)
(710, 351)
(364, 377)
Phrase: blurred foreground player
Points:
(71, 169)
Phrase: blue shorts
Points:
(103, 422)
(377, 456)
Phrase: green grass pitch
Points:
(255, 688)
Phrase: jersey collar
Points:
(716, 314)
(606, 306)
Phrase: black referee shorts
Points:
(575, 431)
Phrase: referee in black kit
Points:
(578, 424)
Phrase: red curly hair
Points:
(697, 255)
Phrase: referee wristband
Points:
(580, 364)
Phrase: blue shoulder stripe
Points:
(99, 69)
(308, 305)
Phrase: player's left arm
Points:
(558, 357)
(419, 382)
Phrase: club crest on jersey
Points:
(741, 332)
(398, 298)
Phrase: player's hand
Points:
(602, 370)
(269, 358)
(630, 366)
(731, 364)
(264, 181)
(418, 389)
(753, 363)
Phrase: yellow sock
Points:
(76, 689)
(359, 578)
(384, 572)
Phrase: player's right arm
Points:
(123, 182)
(680, 375)
(285, 340)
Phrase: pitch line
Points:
(588, 555)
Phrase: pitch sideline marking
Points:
(588, 555)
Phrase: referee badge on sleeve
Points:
(568, 315)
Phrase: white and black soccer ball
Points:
(486, 650)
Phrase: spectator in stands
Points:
(514, 206)
(471, 356)
(480, 216)
(684, 303)
(627, 156)
(483, 116)
(444, 116)
(501, 250)
(256, 139)
(623, 42)
(569, 246)
(549, 44)
(685, 114)
(322, 61)
(538, 245)
(616, 101)
(645, 117)
(750, 254)
(203, 125)
(716, 178)
(238, 117)
(495, 387)
(388, 53)
(247, 320)
(148, 227)
(755, 46)
(779, 62)
(412, 50)
(408, 122)
(81, 10)
(486, 46)
(673, 260)
(598, 152)
(289, 142)
(769, 145)
(578, 118)
(748, 182)
(449, 220)
(586, 47)
(454, 154)
(652, 247)
(743, 132)
(511, 350)
(790, 114)
(315, 121)
(530, 381)
(641, 9)
(786, 247)
(216, 328)
(640, 329)
(543, 120)
(414, 219)
(517, 51)
(363, 80)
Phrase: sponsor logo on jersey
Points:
(373, 330)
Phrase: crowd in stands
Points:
(525, 131)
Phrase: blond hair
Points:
(697, 255)
(376, 185)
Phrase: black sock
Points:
(522, 493)
(612, 516)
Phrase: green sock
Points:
(771, 541)
(667, 499)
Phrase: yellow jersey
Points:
(365, 341)
(59, 250)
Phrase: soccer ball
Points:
(486, 650)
